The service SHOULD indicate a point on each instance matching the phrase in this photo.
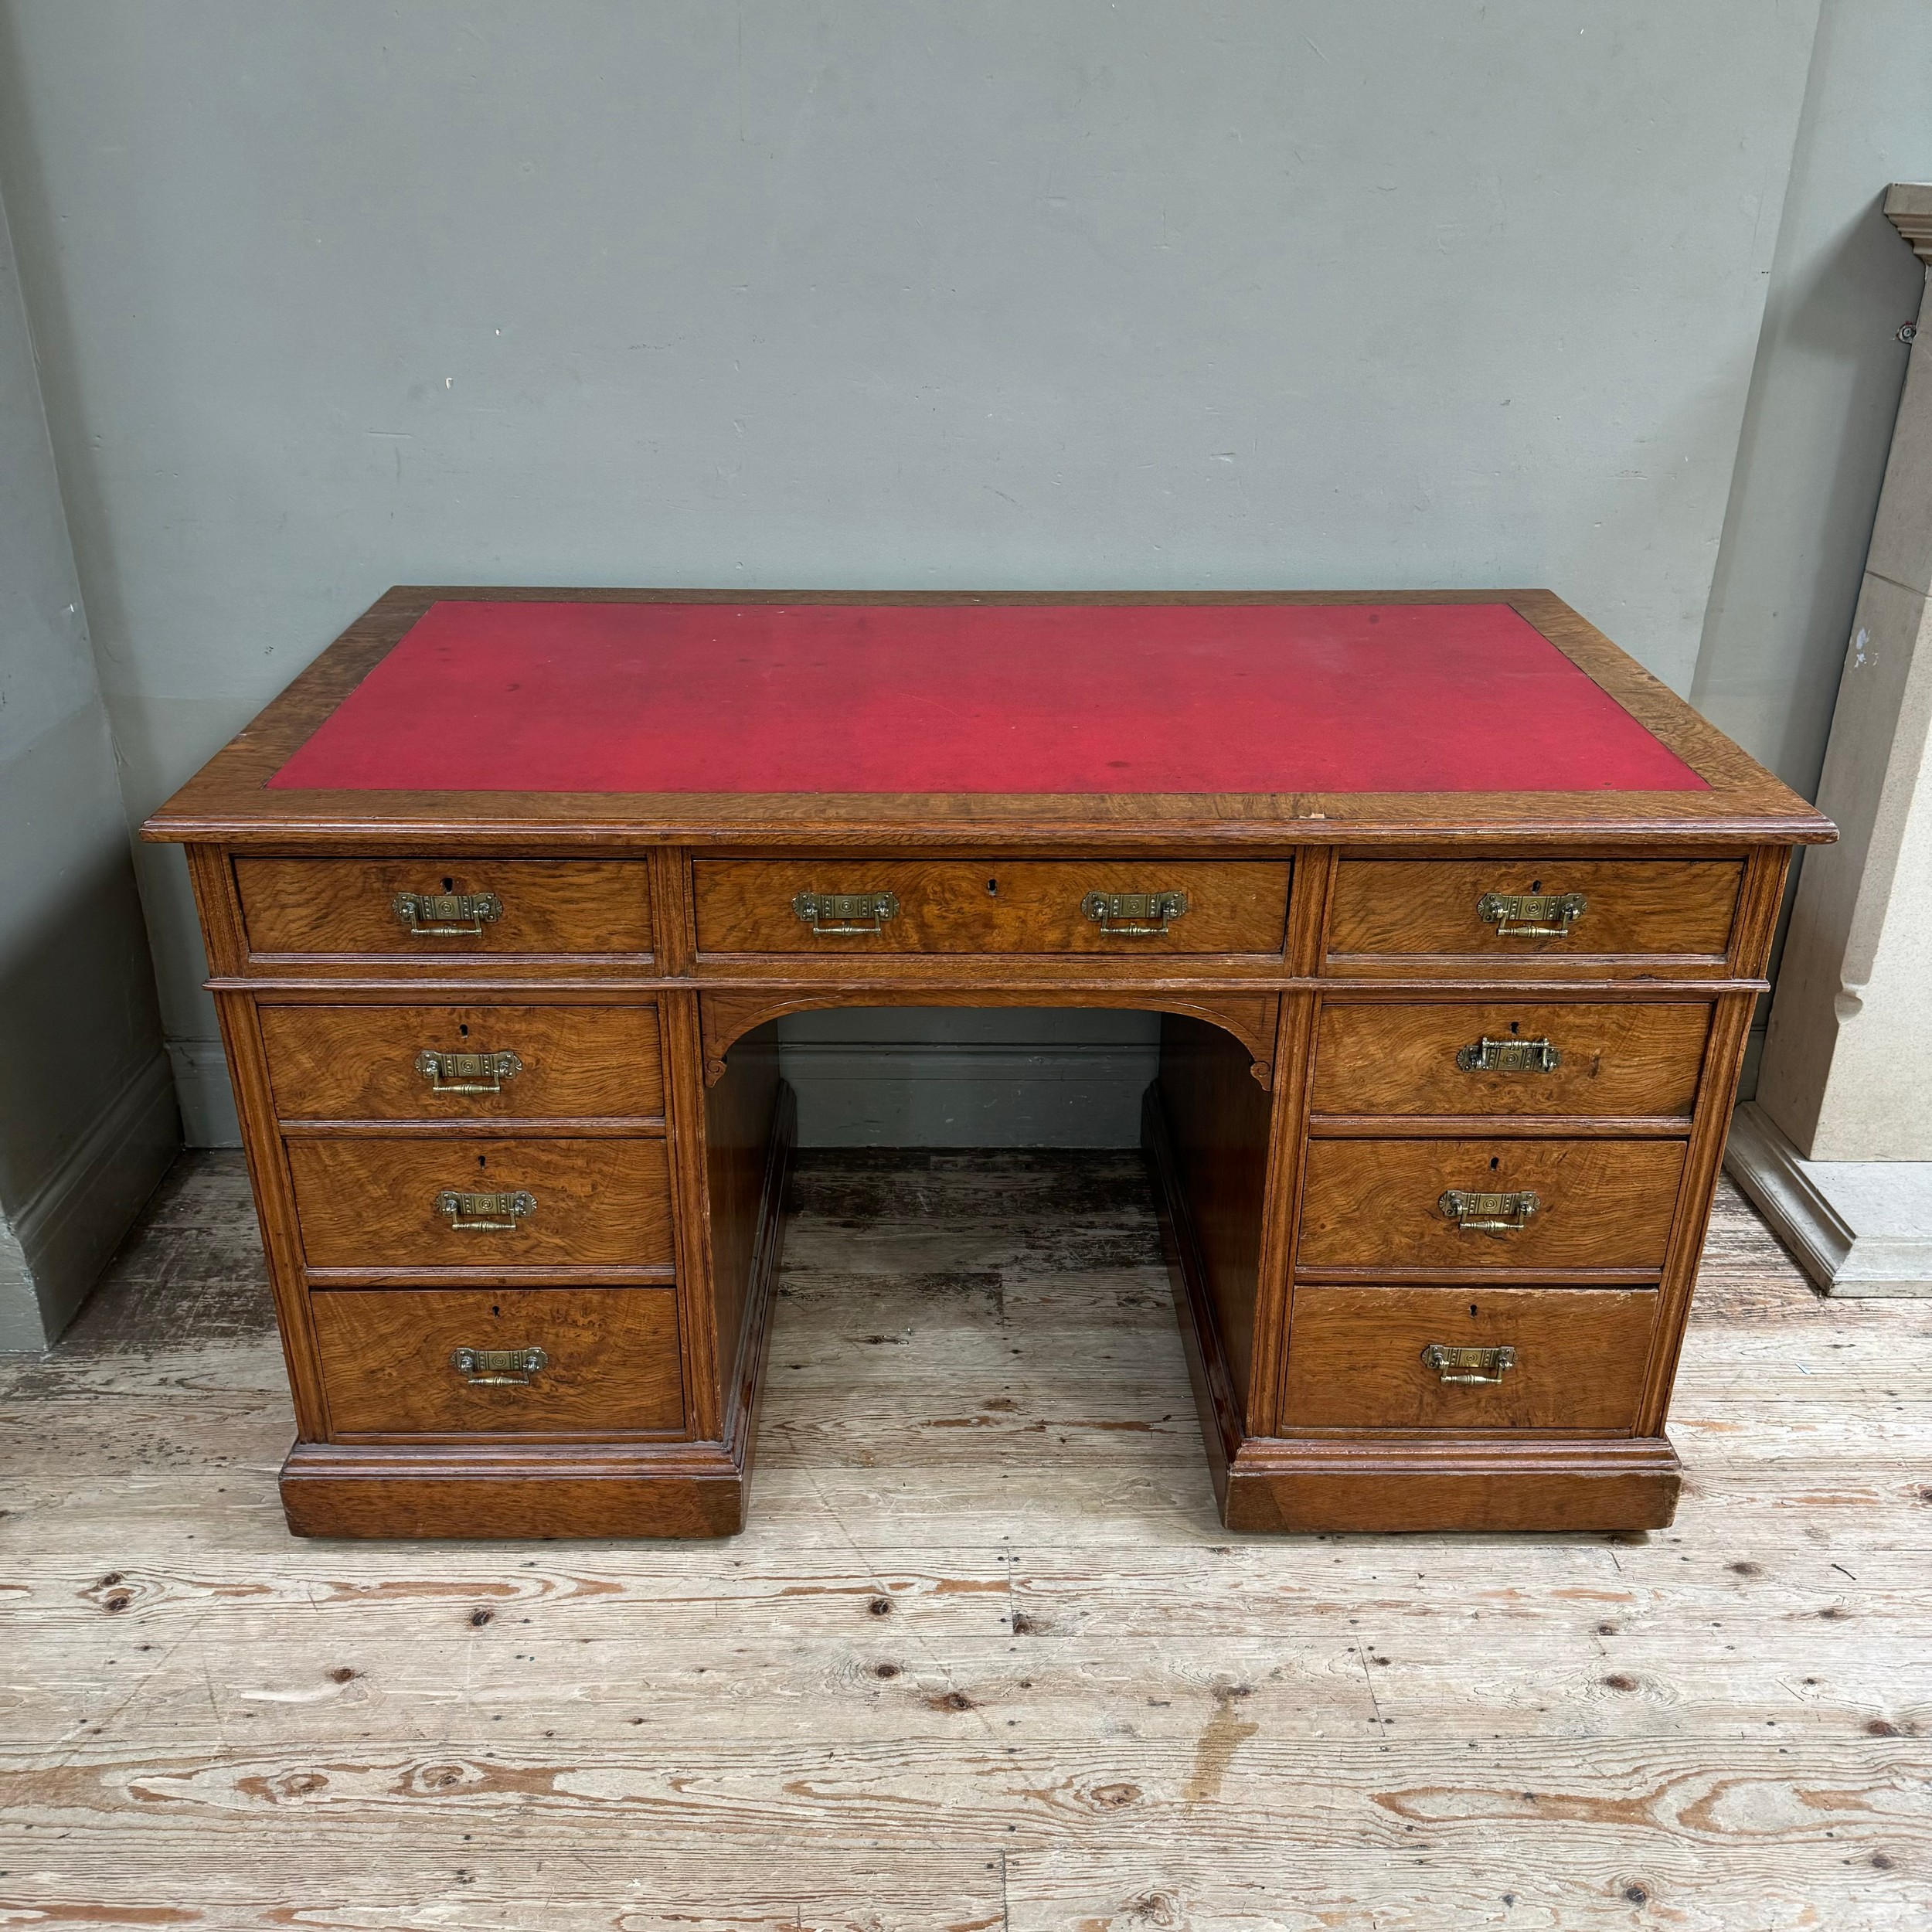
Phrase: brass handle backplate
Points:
(485, 1213)
(446, 915)
(838, 913)
(1490, 1056)
(466, 1073)
(1532, 915)
(499, 1367)
(1133, 915)
(1454, 1363)
(1489, 1213)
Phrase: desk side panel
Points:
(1218, 1115)
(212, 873)
(739, 1110)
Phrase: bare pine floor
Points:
(985, 1659)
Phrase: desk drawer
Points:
(609, 1361)
(1360, 1358)
(450, 1063)
(1597, 1204)
(488, 906)
(1592, 911)
(1627, 1060)
(371, 1202)
(1029, 906)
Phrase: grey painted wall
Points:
(1824, 388)
(969, 1077)
(88, 1120)
(1063, 293)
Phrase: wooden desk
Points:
(1454, 915)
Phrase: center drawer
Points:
(499, 1361)
(468, 1202)
(447, 1062)
(1498, 1206)
(844, 905)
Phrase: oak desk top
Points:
(1099, 720)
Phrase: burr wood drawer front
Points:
(1551, 913)
(441, 909)
(597, 1361)
(1493, 1205)
(1480, 1358)
(390, 1202)
(850, 906)
(453, 1063)
(1599, 1060)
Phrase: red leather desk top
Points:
(963, 698)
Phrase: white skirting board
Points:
(53, 1248)
(860, 1093)
(1857, 1227)
(208, 1115)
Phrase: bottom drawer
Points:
(609, 1361)
(1356, 1358)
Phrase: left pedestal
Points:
(478, 1156)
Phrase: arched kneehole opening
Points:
(985, 1214)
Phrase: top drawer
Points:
(1476, 914)
(427, 908)
(860, 906)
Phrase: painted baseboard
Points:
(1858, 1228)
(66, 1233)
(208, 1115)
(861, 1093)
(1754, 1059)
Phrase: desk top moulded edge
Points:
(228, 802)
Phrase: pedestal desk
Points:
(1454, 917)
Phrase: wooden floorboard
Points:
(945, 1680)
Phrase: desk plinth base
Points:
(1311, 1484)
(335, 1489)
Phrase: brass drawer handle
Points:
(485, 1213)
(499, 1367)
(1133, 915)
(1489, 1213)
(447, 915)
(1456, 1364)
(837, 913)
(1532, 915)
(466, 1073)
(1490, 1056)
